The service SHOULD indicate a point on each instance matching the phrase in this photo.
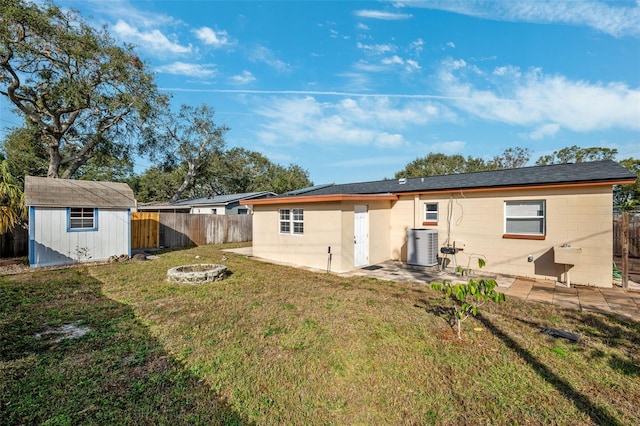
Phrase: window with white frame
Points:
(291, 221)
(431, 212)
(524, 217)
(82, 219)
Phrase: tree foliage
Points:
(85, 95)
(628, 195)
(435, 164)
(622, 194)
(12, 208)
(237, 170)
(467, 298)
(240, 170)
(189, 137)
(159, 183)
(575, 154)
(26, 152)
(27, 155)
(511, 158)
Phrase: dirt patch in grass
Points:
(283, 345)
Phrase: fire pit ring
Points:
(197, 274)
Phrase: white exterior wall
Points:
(220, 210)
(51, 244)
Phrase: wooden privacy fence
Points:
(175, 230)
(14, 243)
(145, 230)
(634, 235)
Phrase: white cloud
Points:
(245, 78)
(377, 49)
(124, 10)
(395, 59)
(356, 81)
(152, 40)
(417, 46)
(191, 70)
(450, 147)
(617, 19)
(264, 55)
(365, 66)
(362, 27)
(386, 140)
(378, 14)
(544, 131)
(377, 121)
(532, 98)
(210, 37)
(412, 65)
(508, 70)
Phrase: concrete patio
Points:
(615, 300)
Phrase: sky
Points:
(355, 90)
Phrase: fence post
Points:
(625, 250)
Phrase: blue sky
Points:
(354, 90)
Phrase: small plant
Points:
(468, 297)
(82, 254)
(468, 271)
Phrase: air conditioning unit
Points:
(422, 247)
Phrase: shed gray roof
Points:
(48, 192)
(557, 174)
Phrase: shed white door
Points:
(361, 236)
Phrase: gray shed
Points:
(73, 221)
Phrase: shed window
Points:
(291, 221)
(525, 217)
(82, 219)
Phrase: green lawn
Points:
(278, 345)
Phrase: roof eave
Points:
(518, 187)
(322, 198)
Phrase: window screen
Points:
(525, 217)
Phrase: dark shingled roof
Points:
(557, 174)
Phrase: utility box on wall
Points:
(422, 247)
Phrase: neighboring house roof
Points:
(49, 192)
(605, 171)
(224, 199)
(215, 200)
(161, 205)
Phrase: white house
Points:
(215, 204)
(73, 221)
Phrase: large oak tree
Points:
(84, 94)
(190, 137)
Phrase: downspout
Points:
(416, 212)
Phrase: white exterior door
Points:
(361, 236)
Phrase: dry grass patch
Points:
(284, 345)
